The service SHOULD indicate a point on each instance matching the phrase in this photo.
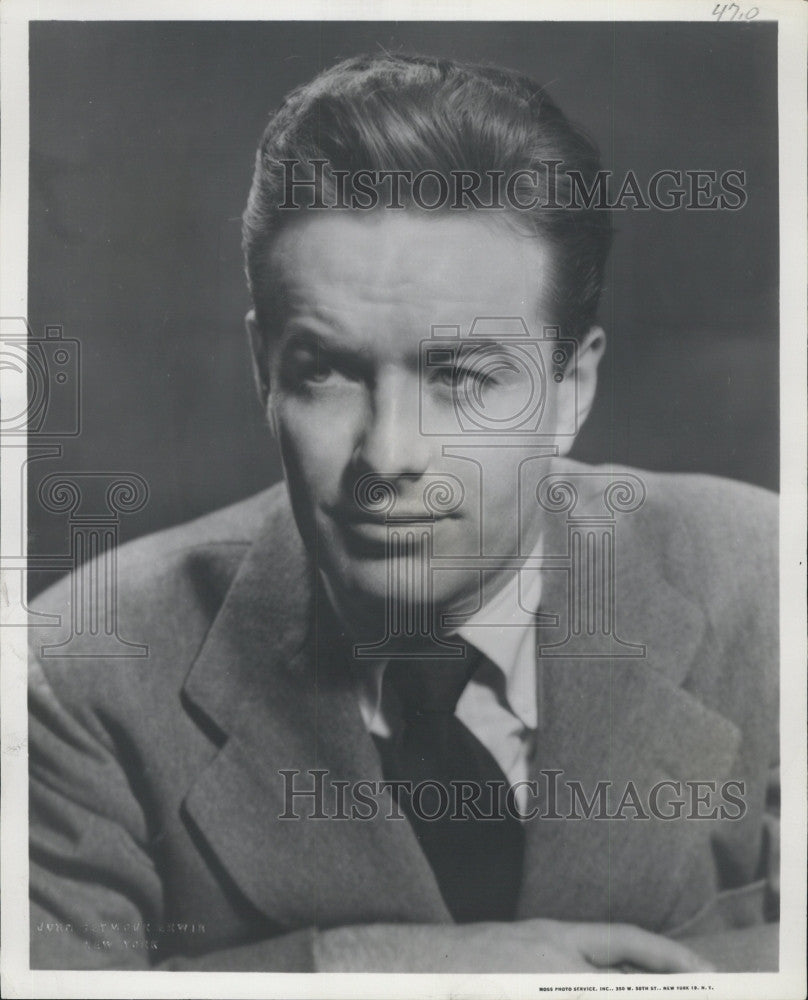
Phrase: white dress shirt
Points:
(498, 704)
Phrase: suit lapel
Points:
(622, 719)
(273, 687)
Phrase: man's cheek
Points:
(314, 453)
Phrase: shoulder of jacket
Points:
(706, 531)
(167, 589)
(700, 503)
(222, 536)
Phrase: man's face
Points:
(351, 397)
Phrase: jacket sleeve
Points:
(739, 930)
(95, 893)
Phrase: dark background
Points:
(142, 144)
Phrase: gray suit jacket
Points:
(155, 785)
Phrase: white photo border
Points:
(17, 978)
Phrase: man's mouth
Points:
(377, 533)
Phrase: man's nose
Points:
(391, 442)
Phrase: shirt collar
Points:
(504, 630)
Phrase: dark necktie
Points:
(477, 861)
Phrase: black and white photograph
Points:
(403, 544)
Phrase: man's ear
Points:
(259, 356)
(580, 383)
(589, 354)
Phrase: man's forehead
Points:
(461, 265)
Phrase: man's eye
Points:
(445, 375)
(311, 367)
(318, 372)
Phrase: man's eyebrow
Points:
(313, 322)
(317, 334)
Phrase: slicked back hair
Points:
(415, 113)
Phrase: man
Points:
(445, 701)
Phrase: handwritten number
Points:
(734, 12)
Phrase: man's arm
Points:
(537, 946)
(96, 896)
(739, 931)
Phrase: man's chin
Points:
(366, 592)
